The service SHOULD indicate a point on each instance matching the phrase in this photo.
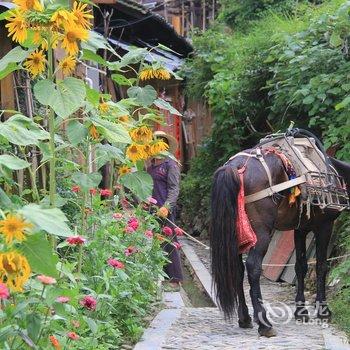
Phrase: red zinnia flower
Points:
(177, 245)
(130, 250)
(62, 300)
(92, 191)
(115, 263)
(46, 279)
(134, 223)
(167, 231)
(76, 189)
(152, 200)
(73, 335)
(106, 192)
(129, 229)
(149, 234)
(4, 292)
(179, 231)
(88, 302)
(76, 240)
(117, 216)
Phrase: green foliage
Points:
(240, 12)
(280, 68)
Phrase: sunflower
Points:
(35, 63)
(158, 147)
(94, 132)
(124, 169)
(63, 18)
(136, 152)
(151, 73)
(103, 107)
(17, 26)
(71, 38)
(123, 118)
(82, 15)
(13, 227)
(14, 270)
(26, 5)
(142, 134)
(67, 65)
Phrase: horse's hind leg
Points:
(301, 313)
(323, 232)
(244, 319)
(254, 269)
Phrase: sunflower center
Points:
(9, 269)
(36, 60)
(30, 4)
(12, 227)
(71, 37)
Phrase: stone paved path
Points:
(205, 328)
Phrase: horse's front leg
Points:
(301, 313)
(323, 232)
(254, 269)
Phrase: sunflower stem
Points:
(52, 163)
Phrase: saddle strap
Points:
(270, 191)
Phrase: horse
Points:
(265, 215)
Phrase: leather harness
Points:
(272, 189)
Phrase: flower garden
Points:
(80, 265)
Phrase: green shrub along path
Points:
(261, 65)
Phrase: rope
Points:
(311, 262)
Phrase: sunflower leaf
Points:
(38, 251)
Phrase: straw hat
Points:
(171, 140)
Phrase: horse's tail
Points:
(225, 263)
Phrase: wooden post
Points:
(182, 17)
(204, 15)
(213, 10)
(192, 14)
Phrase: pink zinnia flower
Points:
(47, 280)
(117, 216)
(106, 192)
(92, 191)
(177, 245)
(115, 263)
(130, 250)
(134, 223)
(88, 302)
(129, 229)
(4, 292)
(152, 200)
(149, 234)
(73, 335)
(76, 240)
(167, 231)
(62, 300)
(179, 231)
(76, 189)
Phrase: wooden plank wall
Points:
(7, 93)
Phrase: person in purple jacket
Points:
(165, 173)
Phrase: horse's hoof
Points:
(302, 315)
(267, 332)
(245, 324)
(323, 312)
